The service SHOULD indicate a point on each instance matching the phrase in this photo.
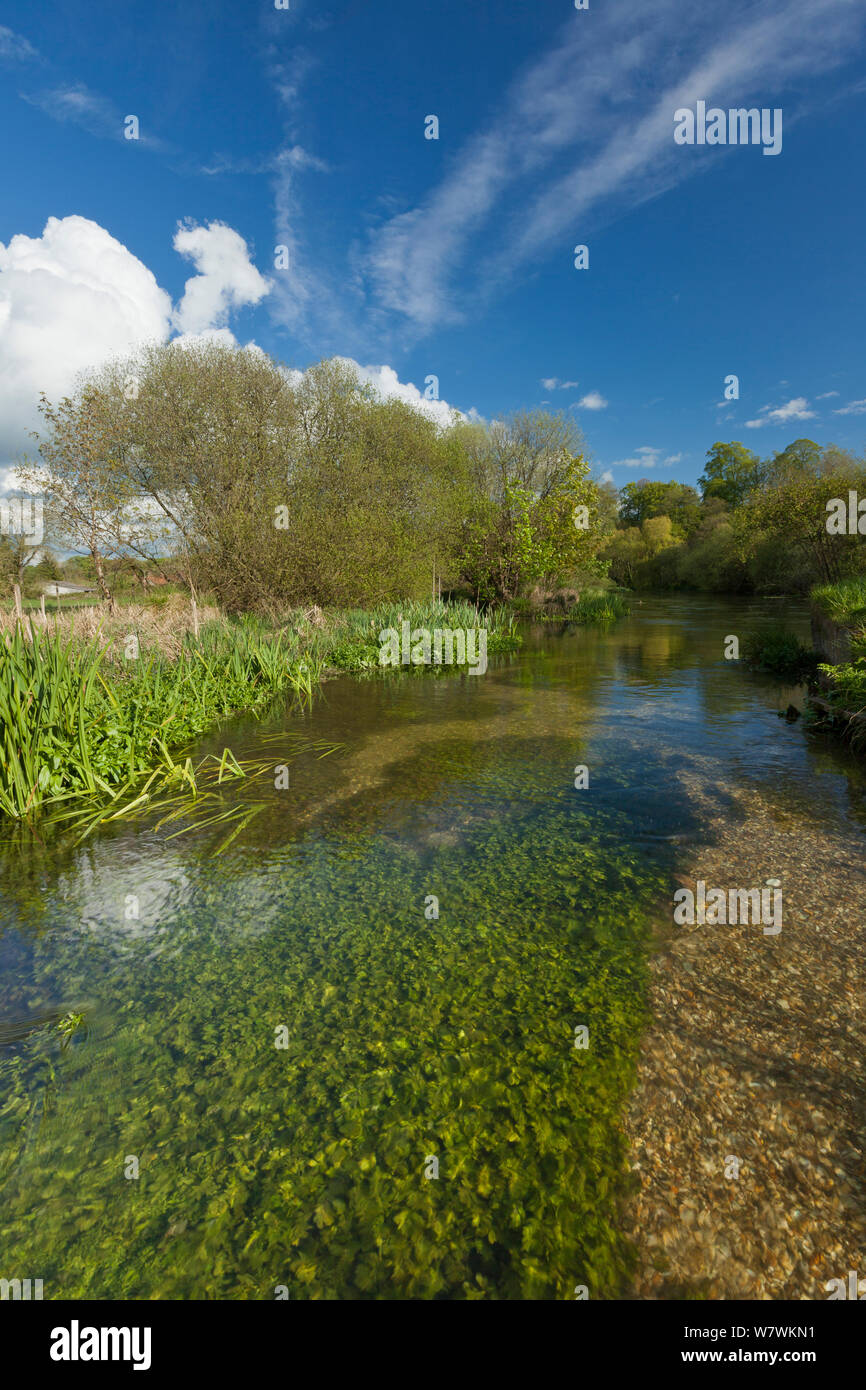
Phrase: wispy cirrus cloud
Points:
(647, 456)
(796, 409)
(14, 48)
(852, 408)
(586, 131)
(76, 104)
(553, 383)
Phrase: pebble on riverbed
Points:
(756, 1054)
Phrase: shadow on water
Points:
(342, 1053)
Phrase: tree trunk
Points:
(100, 577)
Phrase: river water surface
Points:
(339, 1058)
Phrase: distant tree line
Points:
(754, 526)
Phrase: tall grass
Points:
(844, 603)
(72, 726)
(594, 607)
(80, 720)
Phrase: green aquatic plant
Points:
(595, 606)
(778, 651)
(68, 1026)
(287, 1069)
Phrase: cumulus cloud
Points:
(227, 279)
(796, 409)
(852, 408)
(593, 400)
(69, 300)
(388, 385)
(76, 297)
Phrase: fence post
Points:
(42, 606)
(19, 611)
(194, 616)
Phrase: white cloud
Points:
(69, 299)
(796, 409)
(593, 400)
(825, 395)
(75, 297)
(607, 476)
(852, 408)
(553, 383)
(601, 98)
(14, 47)
(227, 278)
(388, 385)
(645, 456)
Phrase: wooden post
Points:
(19, 611)
(194, 617)
(42, 606)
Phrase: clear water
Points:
(414, 1044)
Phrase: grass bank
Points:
(92, 704)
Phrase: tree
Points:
(86, 492)
(647, 498)
(731, 473)
(791, 511)
(534, 515)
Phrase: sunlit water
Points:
(426, 1126)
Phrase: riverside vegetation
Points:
(215, 471)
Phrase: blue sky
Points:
(304, 128)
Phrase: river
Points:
(345, 1057)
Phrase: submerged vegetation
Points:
(307, 1165)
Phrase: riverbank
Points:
(118, 694)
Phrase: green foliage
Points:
(844, 603)
(70, 728)
(644, 499)
(772, 648)
(593, 608)
(732, 472)
(759, 526)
